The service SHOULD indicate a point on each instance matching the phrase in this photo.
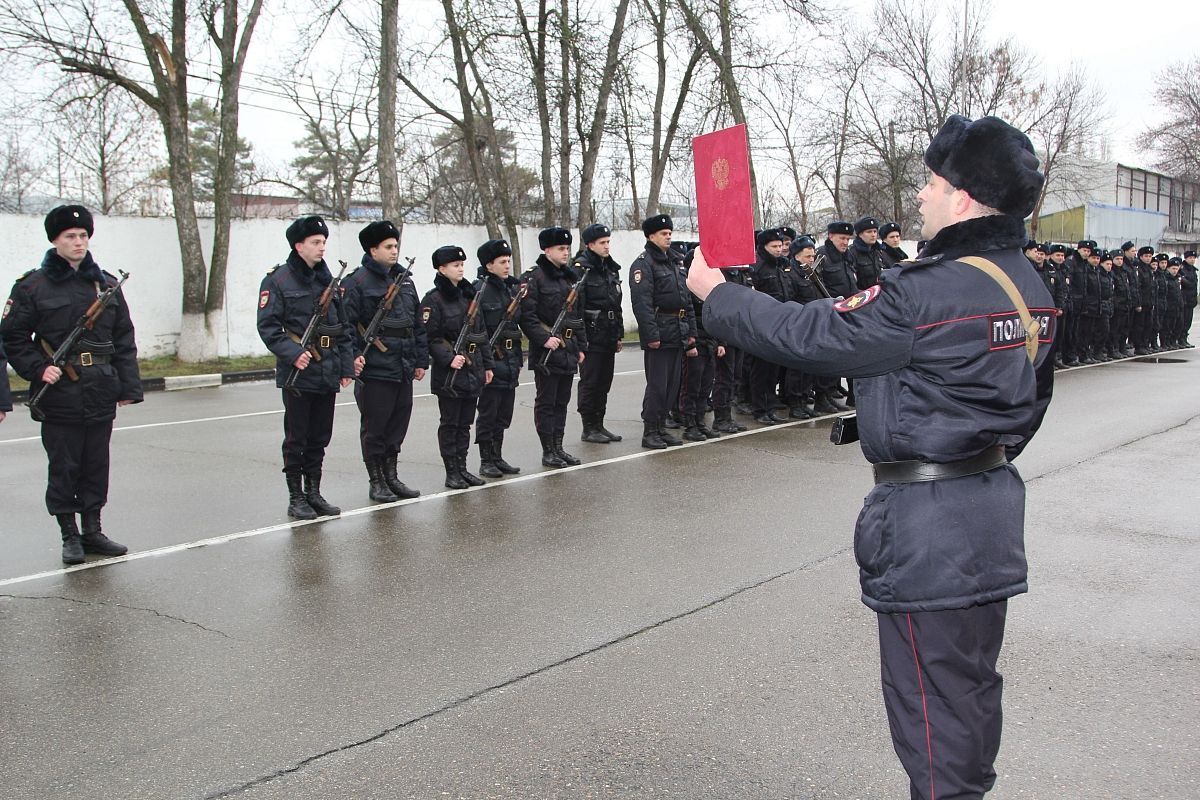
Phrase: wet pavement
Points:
(652, 624)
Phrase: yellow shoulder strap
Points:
(1032, 326)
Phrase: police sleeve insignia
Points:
(425, 312)
(857, 301)
(637, 276)
(7, 308)
(263, 299)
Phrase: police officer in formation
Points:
(948, 399)
(101, 373)
(460, 371)
(890, 237)
(496, 290)
(772, 275)
(867, 253)
(5, 391)
(727, 373)
(1187, 282)
(398, 355)
(699, 372)
(666, 326)
(600, 302)
(288, 297)
(554, 356)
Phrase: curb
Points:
(179, 382)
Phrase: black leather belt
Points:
(680, 314)
(88, 359)
(918, 471)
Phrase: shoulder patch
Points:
(425, 313)
(857, 301)
(264, 297)
(637, 276)
(7, 308)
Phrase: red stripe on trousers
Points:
(924, 708)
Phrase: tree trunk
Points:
(389, 179)
(591, 144)
(564, 117)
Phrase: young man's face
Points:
(892, 239)
(1036, 256)
(1058, 258)
(775, 248)
(558, 254)
(1085, 252)
(1106, 265)
(1145, 258)
(501, 266)
(312, 249)
(870, 236)
(601, 247)
(453, 271)
(386, 252)
(940, 205)
(806, 255)
(72, 245)
(1173, 270)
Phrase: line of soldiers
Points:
(1117, 303)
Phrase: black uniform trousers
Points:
(1188, 312)
(726, 369)
(1140, 330)
(764, 377)
(1100, 333)
(943, 694)
(495, 413)
(1065, 335)
(454, 425)
(796, 386)
(77, 453)
(663, 368)
(386, 408)
(1118, 331)
(551, 401)
(697, 382)
(307, 429)
(1085, 327)
(595, 381)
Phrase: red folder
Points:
(725, 212)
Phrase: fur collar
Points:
(861, 246)
(565, 272)
(997, 232)
(58, 270)
(307, 274)
(595, 262)
(452, 292)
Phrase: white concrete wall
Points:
(147, 248)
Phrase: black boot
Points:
(379, 491)
(673, 421)
(591, 431)
(498, 457)
(708, 432)
(453, 479)
(94, 541)
(312, 493)
(568, 459)
(487, 461)
(72, 545)
(671, 441)
(692, 432)
(824, 405)
(723, 421)
(612, 437)
(393, 481)
(550, 457)
(298, 507)
(651, 437)
(470, 478)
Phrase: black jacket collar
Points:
(376, 268)
(452, 292)
(306, 273)
(58, 270)
(593, 261)
(547, 266)
(997, 232)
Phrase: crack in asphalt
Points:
(461, 701)
(153, 611)
(1112, 449)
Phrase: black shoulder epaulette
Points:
(272, 269)
(27, 274)
(921, 262)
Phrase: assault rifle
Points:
(557, 329)
(509, 313)
(310, 331)
(371, 334)
(810, 272)
(464, 333)
(60, 357)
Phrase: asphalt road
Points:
(683, 623)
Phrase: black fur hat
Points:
(888, 228)
(1044, 248)
(767, 236)
(1090, 244)
(552, 237)
(1127, 246)
(787, 232)
(492, 249)
(659, 222)
(866, 224)
(376, 234)
(305, 227)
(1189, 253)
(595, 231)
(1145, 251)
(990, 160)
(1030, 245)
(839, 227)
(1057, 248)
(447, 254)
(64, 218)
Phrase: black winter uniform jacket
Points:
(941, 374)
(1146, 286)
(547, 287)
(661, 300)
(287, 298)
(42, 311)
(1085, 288)
(1187, 279)
(837, 270)
(774, 276)
(868, 262)
(507, 357)
(401, 331)
(600, 301)
(5, 392)
(443, 312)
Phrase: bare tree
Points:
(85, 38)
(19, 171)
(1176, 140)
(535, 38)
(385, 153)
